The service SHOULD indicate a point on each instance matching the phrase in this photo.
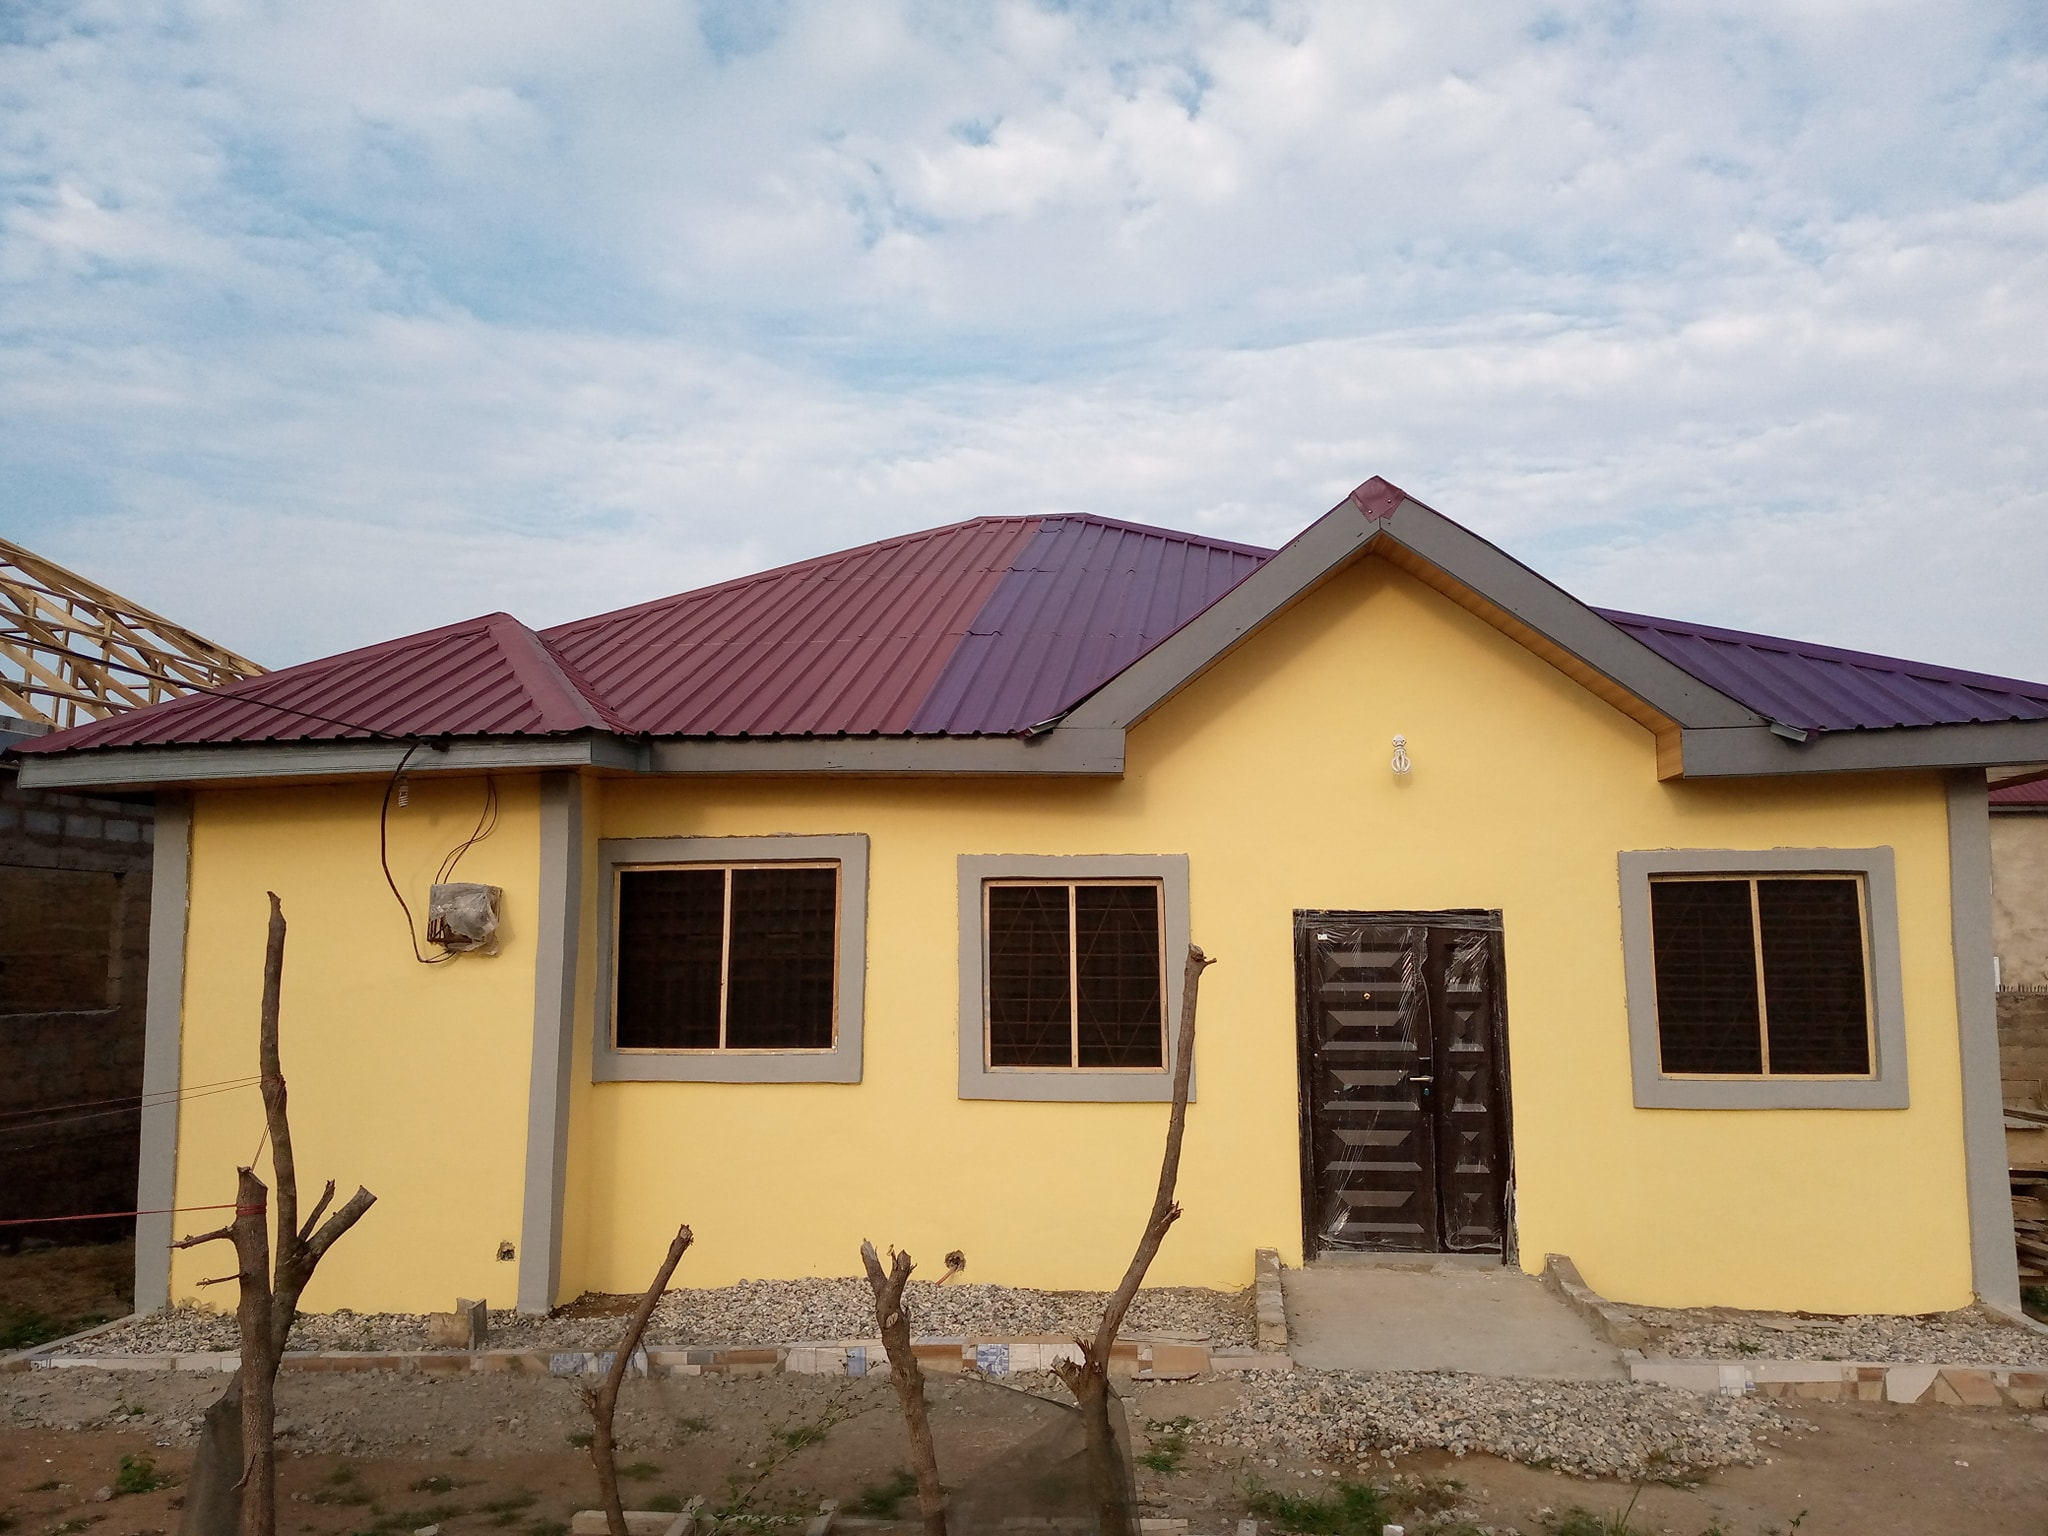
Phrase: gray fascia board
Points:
(163, 1012)
(1994, 1263)
(1758, 752)
(146, 767)
(1342, 535)
(1078, 752)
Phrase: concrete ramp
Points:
(1418, 1316)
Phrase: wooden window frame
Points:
(1067, 1085)
(1763, 1005)
(840, 1063)
(619, 873)
(1157, 885)
(1884, 1087)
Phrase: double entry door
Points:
(1402, 1041)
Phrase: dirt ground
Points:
(46, 1293)
(386, 1455)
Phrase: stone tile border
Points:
(1612, 1323)
(1138, 1359)
(1840, 1381)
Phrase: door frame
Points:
(1482, 919)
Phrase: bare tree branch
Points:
(326, 1199)
(604, 1402)
(908, 1379)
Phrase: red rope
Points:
(169, 1210)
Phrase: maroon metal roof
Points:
(983, 627)
(484, 677)
(845, 644)
(1824, 688)
(2023, 795)
(1085, 599)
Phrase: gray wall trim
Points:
(1886, 1090)
(1083, 753)
(557, 925)
(156, 1181)
(1751, 753)
(978, 1081)
(1345, 533)
(1064, 751)
(1994, 1264)
(143, 767)
(841, 1064)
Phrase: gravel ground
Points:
(1967, 1337)
(752, 1312)
(1584, 1427)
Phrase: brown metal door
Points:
(1404, 1133)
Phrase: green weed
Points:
(138, 1475)
(667, 1503)
(436, 1484)
(641, 1470)
(1349, 1509)
(49, 1485)
(518, 1500)
(693, 1426)
(879, 1501)
(547, 1528)
(347, 1495)
(580, 1439)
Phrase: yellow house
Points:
(849, 901)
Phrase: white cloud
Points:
(320, 323)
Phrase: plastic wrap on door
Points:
(1468, 1117)
(1372, 1133)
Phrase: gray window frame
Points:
(840, 1064)
(1067, 1085)
(1885, 1088)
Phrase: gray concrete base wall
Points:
(2023, 1047)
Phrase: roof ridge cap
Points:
(541, 672)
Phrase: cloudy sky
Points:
(320, 323)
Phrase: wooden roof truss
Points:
(72, 651)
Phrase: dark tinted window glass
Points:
(671, 927)
(1030, 1019)
(1116, 933)
(778, 988)
(1705, 951)
(1813, 976)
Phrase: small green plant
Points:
(1349, 1509)
(641, 1470)
(1580, 1521)
(518, 1500)
(580, 1439)
(345, 1473)
(138, 1474)
(667, 1503)
(1169, 1445)
(880, 1501)
(1744, 1347)
(2035, 1299)
(347, 1495)
(48, 1485)
(547, 1528)
(435, 1484)
(693, 1426)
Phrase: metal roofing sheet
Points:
(484, 677)
(1085, 599)
(1821, 687)
(848, 643)
(2033, 794)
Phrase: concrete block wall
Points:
(74, 950)
(2023, 1047)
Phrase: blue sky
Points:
(323, 323)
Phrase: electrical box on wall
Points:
(462, 917)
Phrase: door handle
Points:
(1414, 1079)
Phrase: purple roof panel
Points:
(1085, 599)
(1824, 688)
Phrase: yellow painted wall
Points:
(405, 1078)
(1270, 774)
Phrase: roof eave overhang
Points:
(1060, 752)
(1755, 753)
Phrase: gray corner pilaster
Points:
(1994, 1265)
(156, 1179)
(558, 923)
